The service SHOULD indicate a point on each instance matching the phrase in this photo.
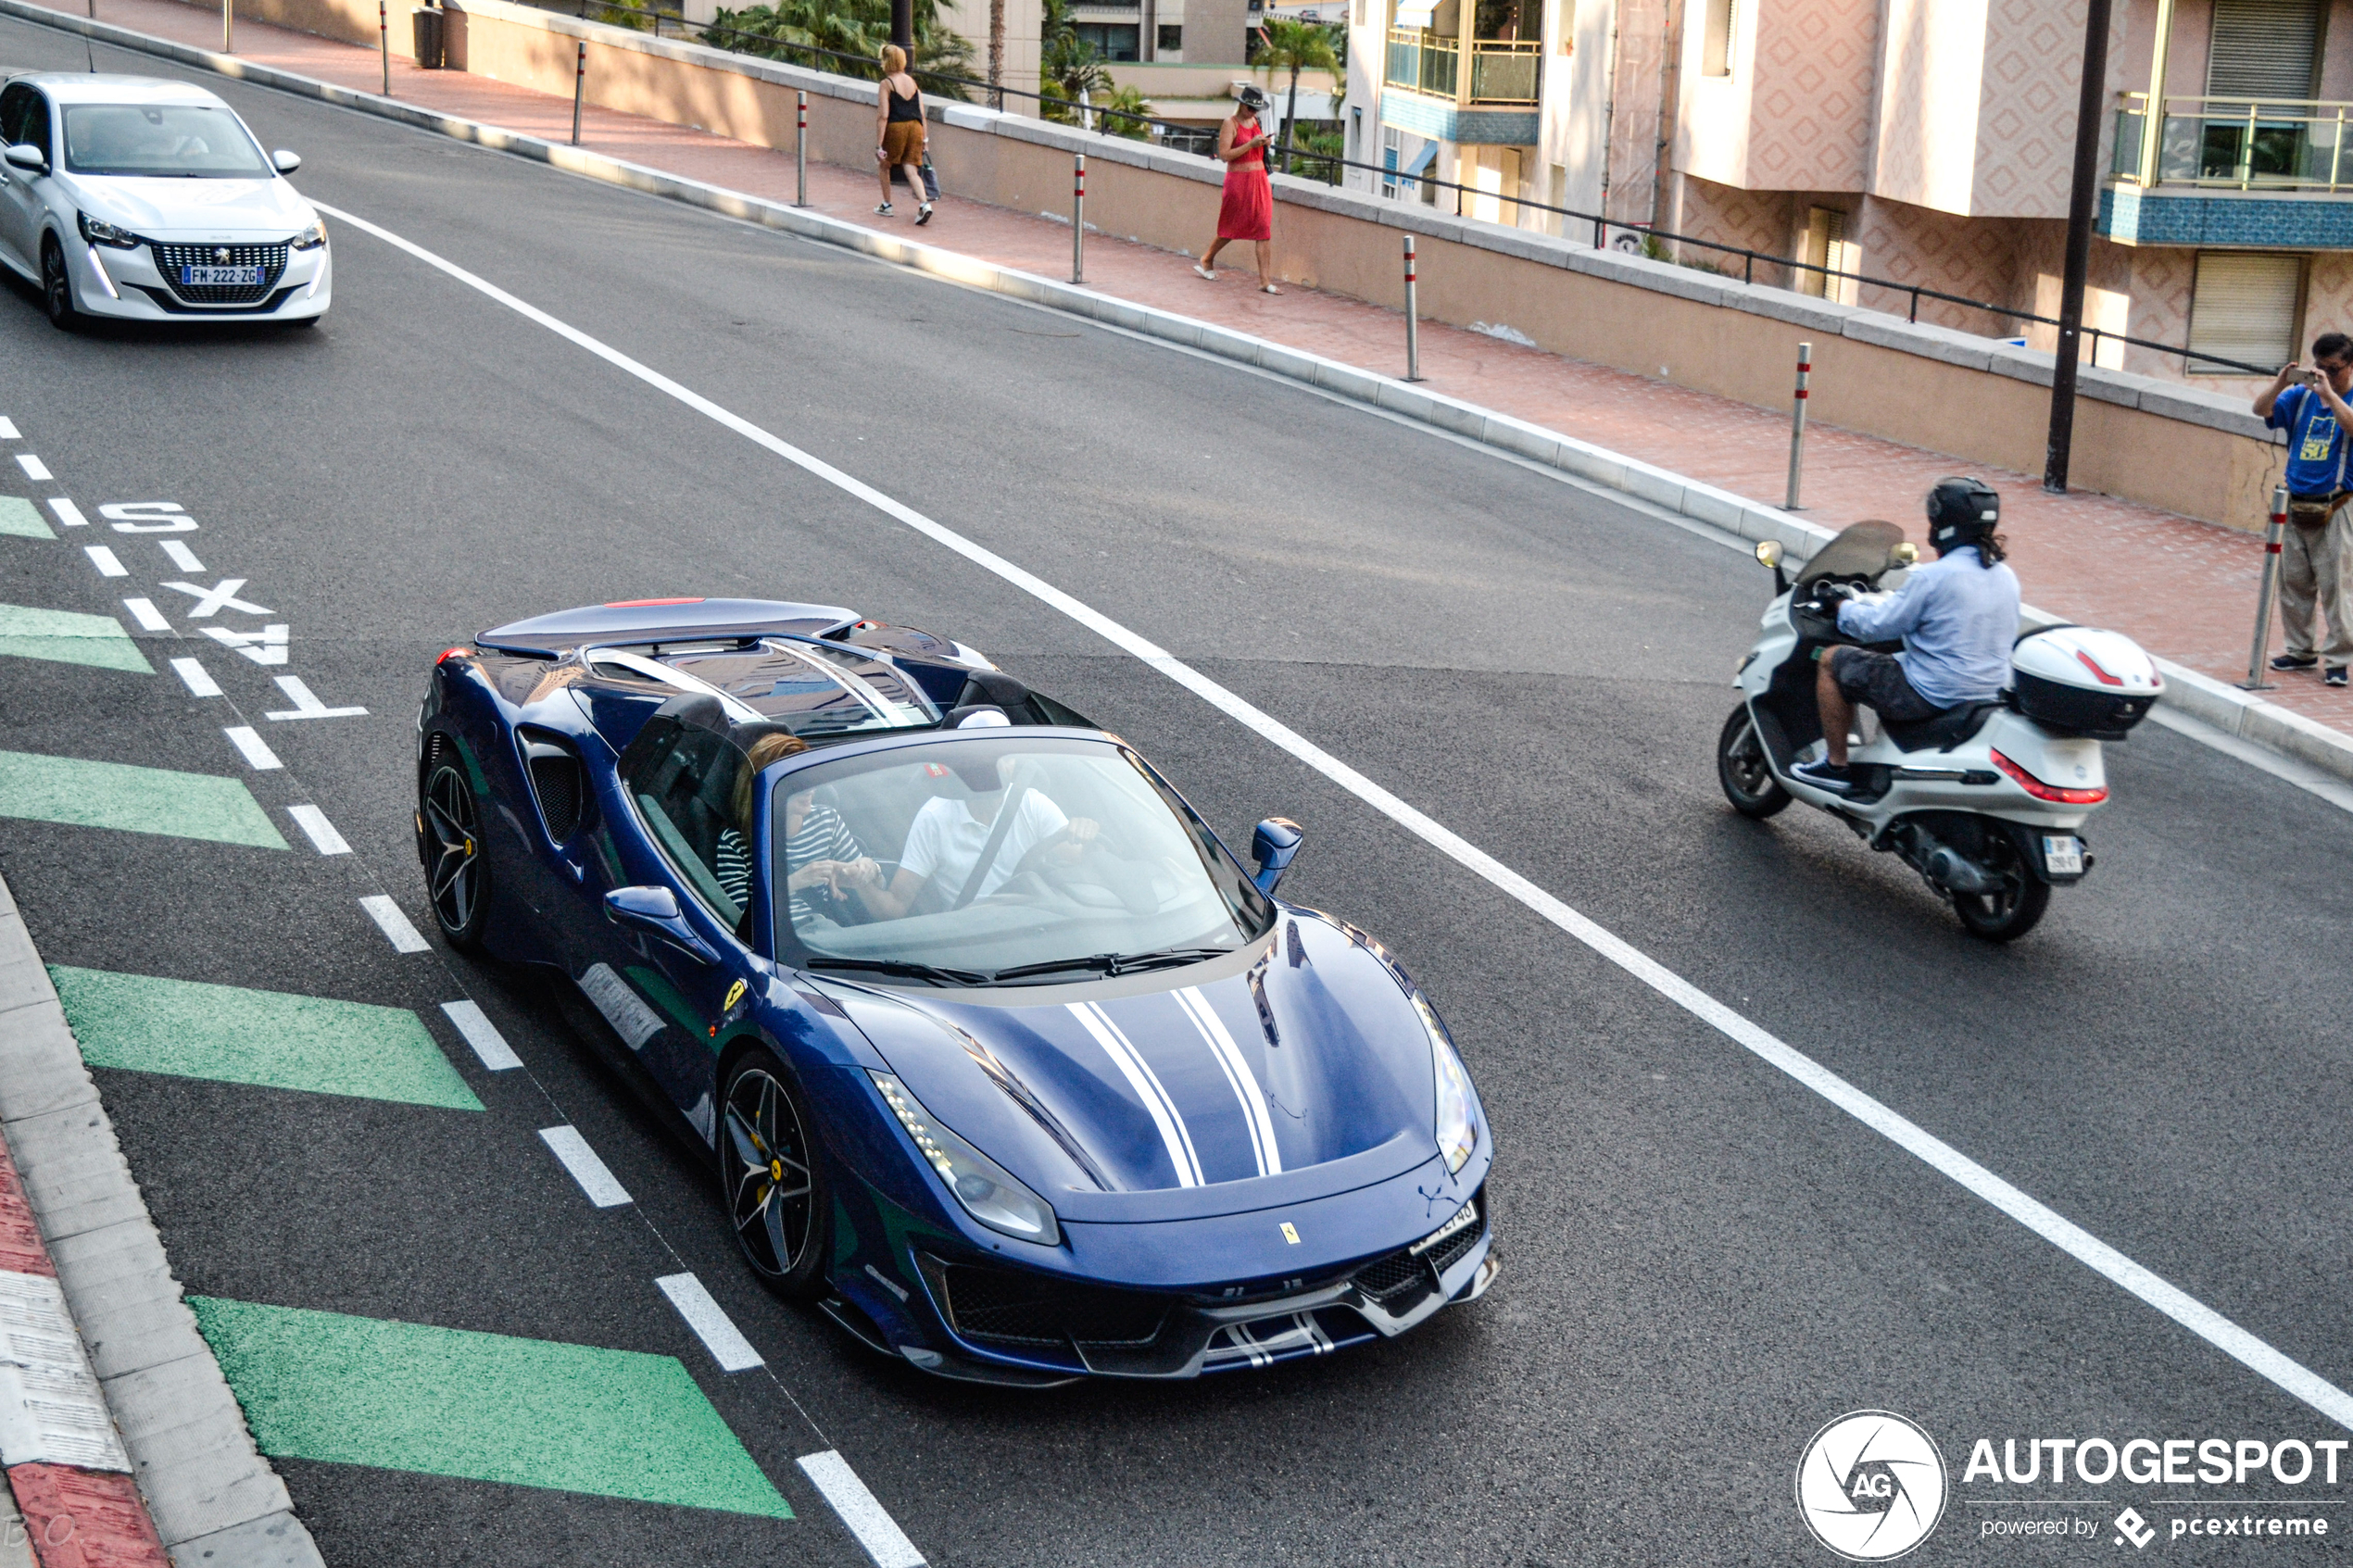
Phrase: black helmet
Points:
(1962, 510)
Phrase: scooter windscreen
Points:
(1860, 550)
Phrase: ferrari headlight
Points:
(310, 238)
(102, 233)
(988, 1193)
(1457, 1133)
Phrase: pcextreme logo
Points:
(1871, 1485)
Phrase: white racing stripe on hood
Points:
(1146, 1084)
(1237, 1074)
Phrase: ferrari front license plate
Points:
(221, 277)
(2063, 856)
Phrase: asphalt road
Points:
(1703, 1260)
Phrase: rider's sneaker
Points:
(2334, 675)
(2294, 660)
(1822, 775)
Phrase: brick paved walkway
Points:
(2185, 589)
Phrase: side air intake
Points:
(559, 785)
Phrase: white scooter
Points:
(1985, 801)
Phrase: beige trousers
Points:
(2313, 569)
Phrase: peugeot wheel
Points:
(2011, 911)
(769, 1176)
(449, 843)
(1748, 780)
(56, 290)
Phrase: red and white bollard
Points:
(384, 42)
(800, 153)
(2274, 536)
(578, 87)
(1413, 318)
(1079, 218)
(1797, 426)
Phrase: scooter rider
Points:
(1958, 618)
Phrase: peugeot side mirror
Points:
(285, 162)
(27, 158)
(655, 910)
(1273, 844)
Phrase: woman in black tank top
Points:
(898, 129)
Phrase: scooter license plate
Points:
(2063, 856)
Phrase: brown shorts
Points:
(902, 142)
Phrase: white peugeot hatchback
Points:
(135, 198)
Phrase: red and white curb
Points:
(67, 1468)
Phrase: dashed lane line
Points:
(9, 429)
(321, 832)
(133, 799)
(20, 518)
(180, 555)
(104, 560)
(34, 469)
(571, 1151)
(68, 513)
(195, 677)
(489, 1045)
(69, 637)
(269, 1039)
(252, 748)
(393, 923)
(2225, 1336)
(866, 1519)
(145, 612)
(711, 1322)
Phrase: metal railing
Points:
(1505, 72)
(1423, 62)
(2235, 143)
(1502, 71)
(1642, 235)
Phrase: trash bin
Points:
(428, 23)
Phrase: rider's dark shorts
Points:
(1878, 681)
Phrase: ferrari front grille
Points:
(1450, 1251)
(1385, 1277)
(1002, 1307)
(271, 259)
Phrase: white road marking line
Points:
(572, 1151)
(483, 1035)
(256, 751)
(307, 706)
(199, 680)
(143, 611)
(182, 557)
(321, 832)
(220, 595)
(68, 513)
(9, 429)
(711, 1322)
(2078, 1243)
(34, 467)
(103, 558)
(860, 1514)
(383, 910)
(265, 646)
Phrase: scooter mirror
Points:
(1768, 552)
(1904, 554)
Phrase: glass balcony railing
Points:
(2235, 144)
(1500, 73)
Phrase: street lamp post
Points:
(2081, 199)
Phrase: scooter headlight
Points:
(1456, 1129)
(99, 233)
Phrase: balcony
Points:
(2273, 173)
(1430, 98)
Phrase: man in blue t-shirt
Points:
(2310, 404)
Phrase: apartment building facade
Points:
(1925, 142)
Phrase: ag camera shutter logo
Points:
(1871, 1486)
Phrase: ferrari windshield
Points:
(974, 860)
(181, 141)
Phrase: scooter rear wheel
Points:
(1748, 780)
(2012, 910)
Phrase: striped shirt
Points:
(822, 836)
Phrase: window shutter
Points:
(2263, 49)
(2244, 308)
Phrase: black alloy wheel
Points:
(1748, 780)
(451, 848)
(56, 294)
(2012, 909)
(769, 1175)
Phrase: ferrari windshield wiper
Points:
(1115, 963)
(932, 973)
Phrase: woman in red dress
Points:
(1247, 209)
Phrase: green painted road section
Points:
(446, 1401)
(22, 519)
(235, 1036)
(114, 794)
(62, 635)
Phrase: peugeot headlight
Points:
(1457, 1134)
(102, 233)
(988, 1193)
(310, 238)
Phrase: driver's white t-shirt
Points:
(945, 840)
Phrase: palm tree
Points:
(1067, 65)
(1295, 47)
(996, 54)
(792, 30)
(1131, 106)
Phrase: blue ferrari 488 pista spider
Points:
(1002, 1057)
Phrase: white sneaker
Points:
(923, 215)
(884, 210)
(1205, 271)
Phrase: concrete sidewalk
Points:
(2185, 589)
